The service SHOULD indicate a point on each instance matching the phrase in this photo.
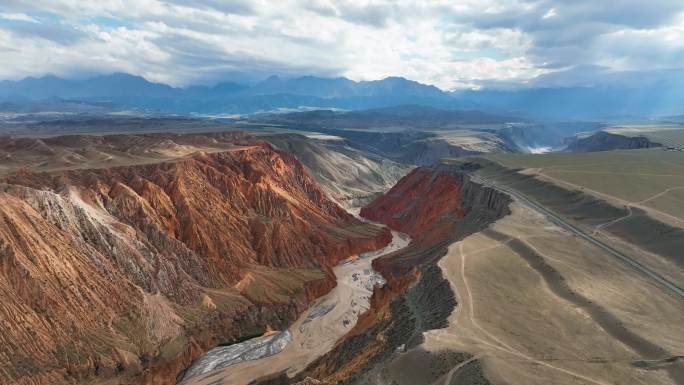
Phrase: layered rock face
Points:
(435, 205)
(131, 272)
(417, 201)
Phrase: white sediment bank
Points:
(249, 350)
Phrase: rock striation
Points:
(128, 273)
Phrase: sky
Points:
(450, 44)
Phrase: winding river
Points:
(311, 336)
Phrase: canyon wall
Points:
(350, 176)
(126, 274)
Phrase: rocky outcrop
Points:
(417, 201)
(129, 273)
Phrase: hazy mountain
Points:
(306, 85)
(676, 118)
(229, 97)
(277, 93)
(110, 86)
(344, 88)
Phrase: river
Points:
(311, 336)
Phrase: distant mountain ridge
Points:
(272, 93)
(310, 92)
(117, 84)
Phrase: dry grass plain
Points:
(472, 140)
(651, 179)
(572, 316)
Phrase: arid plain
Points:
(512, 316)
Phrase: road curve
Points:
(659, 279)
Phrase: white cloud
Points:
(18, 17)
(550, 13)
(449, 44)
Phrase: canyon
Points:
(226, 258)
(490, 291)
(532, 303)
(416, 297)
(131, 271)
(341, 192)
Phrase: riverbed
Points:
(311, 336)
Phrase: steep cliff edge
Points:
(437, 206)
(416, 203)
(128, 273)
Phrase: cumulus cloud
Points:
(469, 43)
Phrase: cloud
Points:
(18, 17)
(550, 13)
(63, 34)
(469, 43)
(567, 33)
(240, 7)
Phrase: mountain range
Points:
(226, 97)
(309, 92)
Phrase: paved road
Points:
(663, 282)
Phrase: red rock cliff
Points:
(419, 204)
